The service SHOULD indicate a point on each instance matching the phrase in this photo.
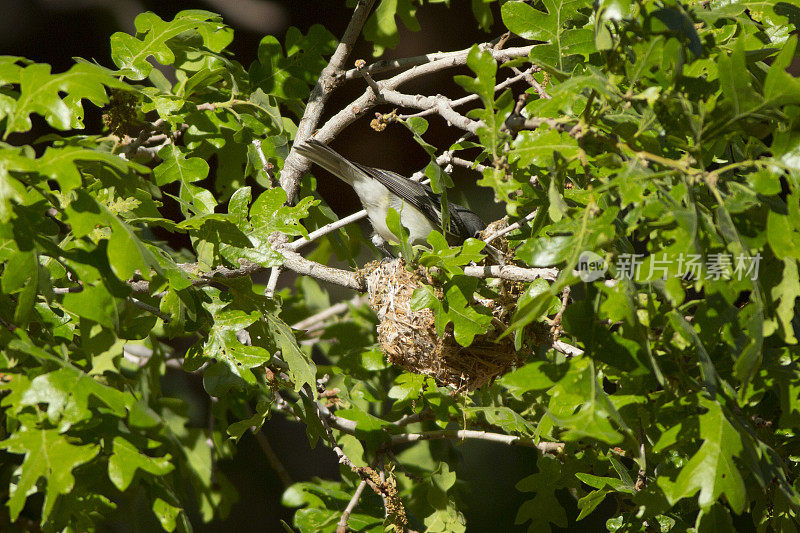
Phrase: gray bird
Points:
(378, 190)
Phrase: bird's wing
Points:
(463, 222)
(413, 193)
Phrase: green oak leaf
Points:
(41, 93)
(541, 146)
(381, 27)
(787, 291)
(153, 37)
(457, 307)
(237, 429)
(64, 164)
(177, 167)
(268, 329)
(451, 258)
(166, 513)
(712, 469)
(67, 392)
(126, 459)
(50, 455)
(223, 345)
(544, 509)
(290, 75)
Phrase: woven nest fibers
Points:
(409, 339)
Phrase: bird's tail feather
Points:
(329, 159)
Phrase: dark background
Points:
(55, 31)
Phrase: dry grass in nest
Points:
(409, 338)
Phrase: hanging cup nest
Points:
(409, 338)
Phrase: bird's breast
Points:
(377, 200)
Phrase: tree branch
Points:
(566, 349)
(458, 56)
(341, 526)
(150, 309)
(272, 458)
(511, 272)
(337, 276)
(349, 427)
(315, 321)
(424, 65)
(455, 59)
(324, 230)
(295, 165)
(511, 227)
(345, 278)
(471, 97)
(441, 104)
(463, 434)
(247, 268)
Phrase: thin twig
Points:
(343, 458)
(540, 90)
(447, 158)
(407, 62)
(324, 230)
(324, 415)
(501, 41)
(341, 526)
(150, 309)
(382, 477)
(463, 434)
(470, 98)
(567, 349)
(511, 227)
(266, 166)
(472, 165)
(402, 468)
(315, 321)
(272, 458)
(272, 282)
(364, 74)
(68, 290)
(425, 414)
(560, 313)
(641, 476)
